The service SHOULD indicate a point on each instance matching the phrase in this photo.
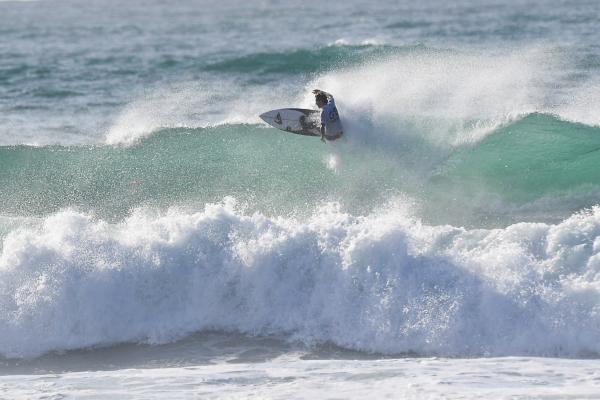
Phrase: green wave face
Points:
(273, 171)
(528, 161)
(531, 158)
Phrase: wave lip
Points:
(535, 156)
(379, 283)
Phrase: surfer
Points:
(331, 125)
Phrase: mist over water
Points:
(142, 200)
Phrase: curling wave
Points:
(383, 282)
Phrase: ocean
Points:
(158, 240)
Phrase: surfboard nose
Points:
(271, 116)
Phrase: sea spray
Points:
(382, 282)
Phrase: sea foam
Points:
(383, 282)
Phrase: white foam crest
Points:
(382, 282)
(372, 41)
(194, 105)
(172, 107)
(450, 98)
(446, 97)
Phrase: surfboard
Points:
(300, 121)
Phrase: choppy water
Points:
(143, 201)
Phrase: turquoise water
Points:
(536, 157)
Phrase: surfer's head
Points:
(320, 99)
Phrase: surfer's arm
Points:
(322, 132)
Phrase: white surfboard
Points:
(300, 121)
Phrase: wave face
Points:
(536, 167)
(458, 216)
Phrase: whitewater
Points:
(157, 240)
